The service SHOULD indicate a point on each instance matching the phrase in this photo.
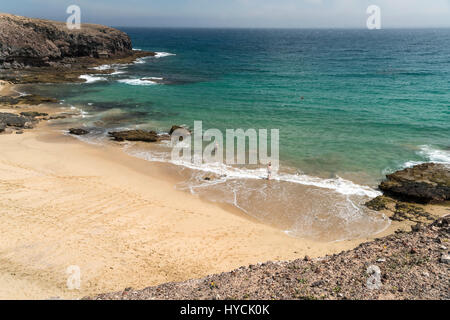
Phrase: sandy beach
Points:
(119, 219)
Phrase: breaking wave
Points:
(137, 82)
(92, 79)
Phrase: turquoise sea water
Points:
(351, 106)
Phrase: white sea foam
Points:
(430, 154)
(226, 172)
(21, 94)
(435, 155)
(137, 82)
(407, 164)
(91, 79)
(103, 67)
(117, 72)
(164, 54)
(82, 113)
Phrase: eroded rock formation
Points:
(36, 42)
(428, 182)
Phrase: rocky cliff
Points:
(422, 183)
(36, 42)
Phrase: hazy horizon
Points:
(292, 14)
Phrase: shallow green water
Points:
(371, 100)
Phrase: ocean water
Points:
(351, 106)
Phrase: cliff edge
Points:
(37, 42)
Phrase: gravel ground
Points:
(411, 265)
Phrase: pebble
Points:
(443, 247)
(381, 260)
(317, 283)
(445, 258)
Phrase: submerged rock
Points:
(33, 114)
(422, 183)
(78, 131)
(29, 99)
(57, 117)
(135, 135)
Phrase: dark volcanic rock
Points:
(379, 203)
(135, 135)
(14, 120)
(180, 132)
(57, 117)
(175, 127)
(29, 99)
(78, 131)
(422, 183)
(33, 114)
(36, 42)
(2, 127)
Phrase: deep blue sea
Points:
(351, 106)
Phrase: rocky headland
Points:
(36, 50)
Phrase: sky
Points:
(240, 13)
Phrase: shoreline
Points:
(170, 243)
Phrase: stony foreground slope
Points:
(405, 265)
(36, 42)
(413, 265)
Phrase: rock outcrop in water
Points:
(135, 135)
(78, 131)
(428, 182)
(36, 42)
